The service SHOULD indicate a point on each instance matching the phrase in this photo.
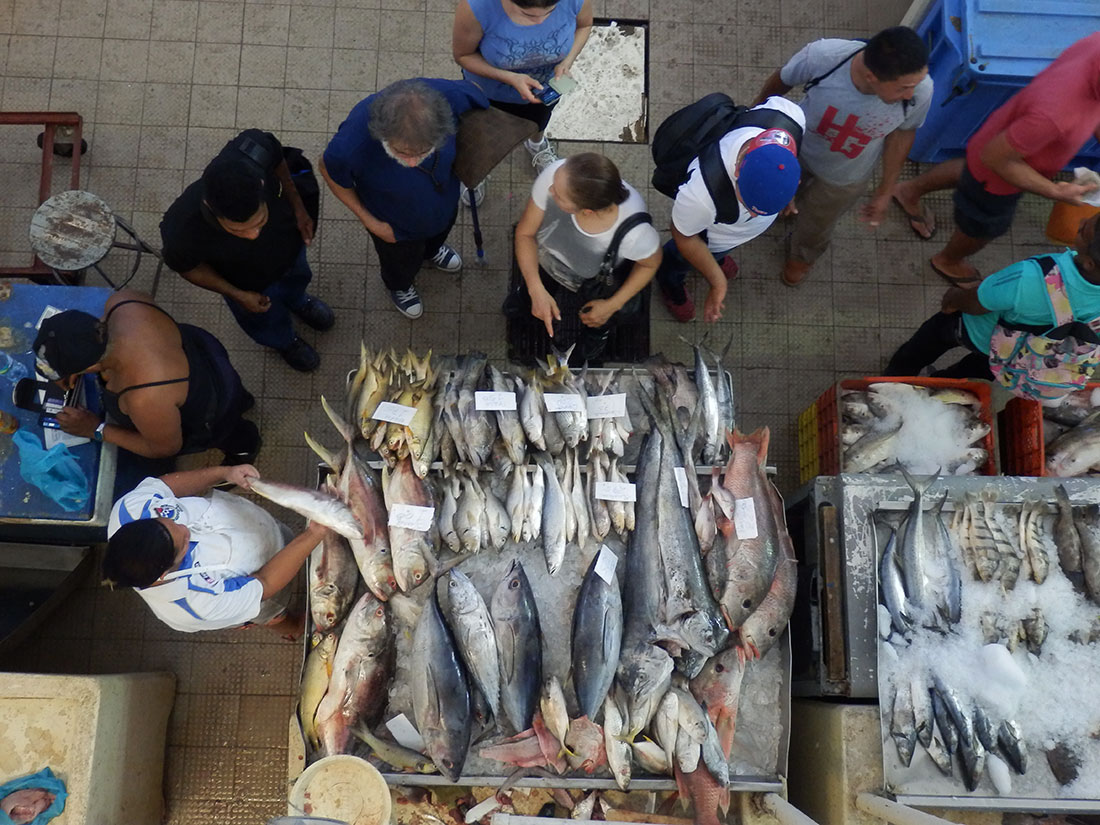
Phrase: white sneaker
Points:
(407, 302)
(542, 153)
(446, 259)
(464, 194)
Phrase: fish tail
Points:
(761, 437)
(918, 484)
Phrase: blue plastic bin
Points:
(984, 51)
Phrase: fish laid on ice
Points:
(519, 646)
(1066, 537)
(871, 450)
(1076, 451)
(903, 724)
(474, 635)
(440, 694)
(596, 639)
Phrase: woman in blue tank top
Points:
(513, 48)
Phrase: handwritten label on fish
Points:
(681, 484)
(394, 413)
(563, 402)
(412, 517)
(405, 733)
(616, 491)
(484, 400)
(606, 563)
(744, 518)
(607, 406)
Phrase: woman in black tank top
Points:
(159, 420)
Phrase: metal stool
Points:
(73, 231)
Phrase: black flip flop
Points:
(959, 282)
(915, 220)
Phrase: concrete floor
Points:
(162, 84)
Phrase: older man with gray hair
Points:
(390, 163)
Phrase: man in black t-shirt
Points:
(241, 231)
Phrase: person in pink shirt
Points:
(1018, 149)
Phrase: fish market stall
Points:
(971, 655)
(554, 589)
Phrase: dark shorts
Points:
(980, 214)
(537, 113)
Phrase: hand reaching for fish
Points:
(241, 475)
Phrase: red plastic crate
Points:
(1023, 449)
(827, 409)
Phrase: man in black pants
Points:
(242, 231)
(390, 163)
(1016, 297)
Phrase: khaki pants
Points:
(820, 205)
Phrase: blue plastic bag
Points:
(55, 472)
(43, 779)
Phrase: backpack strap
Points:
(607, 266)
(1056, 289)
(813, 82)
(717, 180)
(257, 152)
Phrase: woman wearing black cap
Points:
(167, 388)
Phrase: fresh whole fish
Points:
(601, 515)
(553, 517)
(1011, 740)
(648, 754)
(666, 724)
(718, 687)
(372, 552)
(984, 729)
(1066, 537)
(478, 426)
(688, 752)
(473, 633)
(717, 762)
(535, 498)
(516, 503)
(945, 727)
(411, 549)
(316, 673)
(498, 519)
(519, 646)
(441, 701)
(1088, 528)
(508, 421)
(903, 724)
(531, 411)
(618, 750)
(467, 520)
(362, 668)
(1075, 452)
(892, 586)
(1031, 514)
(400, 757)
(924, 721)
(579, 502)
(552, 705)
(332, 580)
(766, 624)
(916, 545)
(315, 505)
(448, 509)
(712, 431)
(872, 449)
(596, 639)
(950, 603)
(727, 413)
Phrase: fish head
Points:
(512, 591)
(461, 592)
(416, 573)
(719, 683)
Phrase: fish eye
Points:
(381, 611)
(747, 604)
(771, 632)
(719, 668)
(447, 763)
(513, 584)
(418, 576)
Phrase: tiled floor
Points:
(163, 83)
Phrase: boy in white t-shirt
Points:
(206, 562)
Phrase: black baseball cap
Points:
(69, 343)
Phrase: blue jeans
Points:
(674, 269)
(274, 328)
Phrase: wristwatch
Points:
(98, 434)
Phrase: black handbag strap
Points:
(607, 266)
(257, 153)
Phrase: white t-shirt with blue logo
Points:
(228, 532)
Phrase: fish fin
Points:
(918, 484)
(326, 455)
(338, 421)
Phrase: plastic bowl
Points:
(344, 788)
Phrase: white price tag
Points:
(48, 312)
(682, 484)
(394, 413)
(606, 562)
(616, 491)
(563, 402)
(607, 406)
(405, 733)
(494, 400)
(412, 517)
(744, 518)
(486, 806)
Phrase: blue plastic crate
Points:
(982, 52)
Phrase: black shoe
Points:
(301, 356)
(243, 444)
(316, 313)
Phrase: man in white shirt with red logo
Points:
(206, 562)
(863, 101)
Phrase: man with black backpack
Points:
(862, 101)
(731, 170)
(242, 231)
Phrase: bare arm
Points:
(957, 299)
(284, 565)
(350, 199)
(196, 482)
(465, 42)
(895, 148)
(301, 215)
(584, 28)
(774, 85)
(695, 252)
(543, 306)
(1007, 163)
